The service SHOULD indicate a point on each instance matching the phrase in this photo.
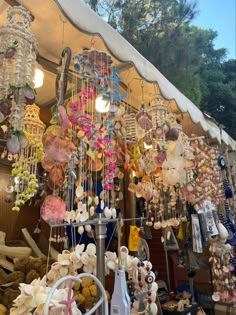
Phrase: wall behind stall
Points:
(12, 222)
(157, 258)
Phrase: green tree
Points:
(219, 92)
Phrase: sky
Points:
(219, 15)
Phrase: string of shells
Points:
(18, 49)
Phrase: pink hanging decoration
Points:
(53, 209)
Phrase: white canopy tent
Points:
(72, 23)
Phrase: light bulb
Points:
(38, 78)
(102, 105)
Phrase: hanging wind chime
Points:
(18, 49)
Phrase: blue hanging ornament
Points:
(227, 189)
(221, 161)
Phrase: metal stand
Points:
(101, 234)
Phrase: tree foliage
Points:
(163, 32)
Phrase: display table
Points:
(187, 311)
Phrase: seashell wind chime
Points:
(88, 144)
(160, 124)
(25, 166)
(18, 49)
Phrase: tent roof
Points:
(72, 23)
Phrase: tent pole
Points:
(101, 233)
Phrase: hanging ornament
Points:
(144, 119)
(31, 147)
(160, 124)
(18, 56)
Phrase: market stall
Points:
(120, 154)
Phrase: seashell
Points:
(85, 258)
(88, 269)
(28, 290)
(79, 248)
(107, 212)
(88, 228)
(79, 191)
(84, 207)
(93, 260)
(110, 255)
(189, 188)
(55, 265)
(157, 225)
(102, 194)
(65, 263)
(80, 230)
(63, 271)
(102, 204)
(113, 211)
(124, 250)
(153, 308)
(13, 144)
(111, 265)
(154, 286)
(129, 263)
(216, 296)
(135, 262)
(96, 201)
(92, 211)
(89, 200)
(84, 216)
(153, 296)
(223, 233)
(91, 249)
